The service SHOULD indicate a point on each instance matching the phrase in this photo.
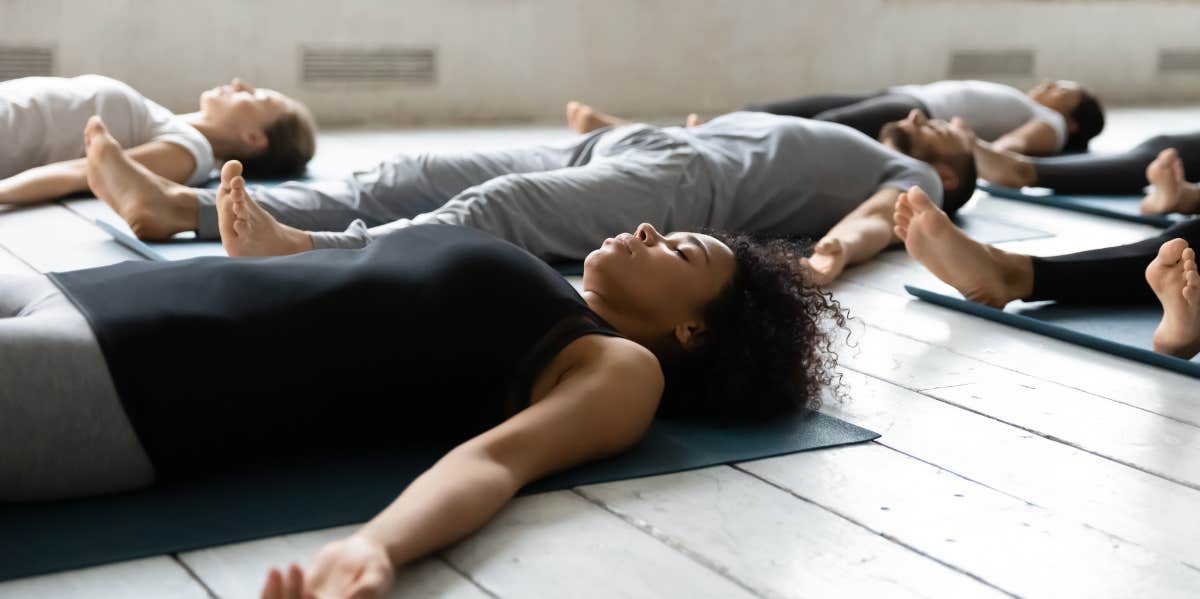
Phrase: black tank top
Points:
(434, 330)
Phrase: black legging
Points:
(1113, 275)
(1121, 173)
(865, 112)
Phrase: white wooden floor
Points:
(1010, 464)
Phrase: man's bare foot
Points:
(693, 120)
(247, 229)
(1173, 277)
(980, 272)
(1001, 167)
(582, 118)
(1171, 192)
(155, 207)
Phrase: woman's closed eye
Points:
(682, 254)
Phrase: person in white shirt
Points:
(1051, 118)
(42, 121)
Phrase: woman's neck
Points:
(223, 146)
(631, 327)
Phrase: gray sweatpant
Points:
(63, 432)
(557, 201)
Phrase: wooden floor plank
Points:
(1116, 430)
(51, 238)
(1146, 387)
(152, 577)
(12, 265)
(561, 545)
(1133, 505)
(776, 545)
(239, 570)
(1021, 548)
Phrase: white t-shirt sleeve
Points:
(163, 125)
(1053, 118)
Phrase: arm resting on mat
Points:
(56, 180)
(858, 237)
(1035, 138)
(602, 403)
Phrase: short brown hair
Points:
(291, 143)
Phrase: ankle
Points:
(1189, 201)
(299, 241)
(184, 209)
(1025, 171)
(1016, 271)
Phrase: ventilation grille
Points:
(25, 61)
(992, 63)
(1179, 61)
(387, 65)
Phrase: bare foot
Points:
(693, 120)
(582, 118)
(1173, 277)
(155, 207)
(980, 272)
(1171, 191)
(247, 229)
(1001, 167)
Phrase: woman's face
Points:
(1063, 96)
(660, 280)
(242, 109)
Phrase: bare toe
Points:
(1173, 277)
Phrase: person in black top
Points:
(436, 330)
(1162, 161)
(1161, 268)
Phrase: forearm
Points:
(863, 236)
(44, 183)
(1034, 138)
(1011, 144)
(454, 498)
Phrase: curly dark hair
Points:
(767, 349)
(291, 143)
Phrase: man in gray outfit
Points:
(742, 172)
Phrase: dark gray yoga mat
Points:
(1120, 207)
(1124, 331)
(256, 501)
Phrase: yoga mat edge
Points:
(1061, 333)
(132, 243)
(1064, 203)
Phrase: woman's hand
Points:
(353, 568)
(828, 260)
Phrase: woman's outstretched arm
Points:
(1034, 138)
(51, 181)
(858, 237)
(602, 404)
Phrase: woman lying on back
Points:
(435, 330)
(42, 121)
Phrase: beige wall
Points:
(522, 59)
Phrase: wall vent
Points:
(25, 61)
(357, 65)
(1179, 60)
(991, 63)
